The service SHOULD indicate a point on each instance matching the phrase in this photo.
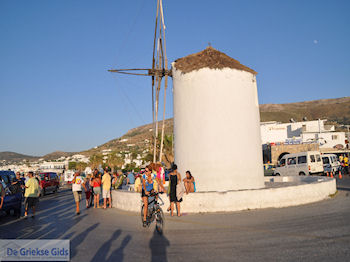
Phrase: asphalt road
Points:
(314, 232)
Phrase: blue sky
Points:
(56, 93)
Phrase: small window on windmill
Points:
(334, 137)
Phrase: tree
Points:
(81, 166)
(148, 157)
(129, 167)
(168, 155)
(72, 165)
(114, 161)
(133, 155)
(95, 161)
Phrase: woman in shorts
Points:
(96, 185)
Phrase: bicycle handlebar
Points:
(154, 194)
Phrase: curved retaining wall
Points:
(281, 192)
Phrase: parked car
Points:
(8, 176)
(304, 163)
(331, 163)
(13, 198)
(49, 182)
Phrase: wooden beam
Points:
(151, 72)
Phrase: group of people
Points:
(94, 185)
(151, 179)
(30, 188)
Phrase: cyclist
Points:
(148, 184)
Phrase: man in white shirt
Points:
(77, 189)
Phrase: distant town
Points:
(277, 140)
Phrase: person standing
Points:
(18, 183)
(130, 180)
(106, 188)
(87, 190)
(31, 194)
(346, 164)
(159, 170)
(77, 190)
(96, 189)
(138, 184)
(175, 197)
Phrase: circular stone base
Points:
(278, 192)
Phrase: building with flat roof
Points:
(306, 132)
(278, 139)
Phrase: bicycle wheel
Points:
(160, 221)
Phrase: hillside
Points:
(337, 110)
(139, 140)
(135, 140)
(56, 155)
(13, 157)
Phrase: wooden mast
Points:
(158, 71)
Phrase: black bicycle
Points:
(155, 212)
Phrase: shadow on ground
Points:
(158, 245)
(105, 249)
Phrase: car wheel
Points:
(44, 192)
(301, 174)
(277, 174)
(56, 189)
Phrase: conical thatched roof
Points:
(211, 58)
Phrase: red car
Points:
(49, 182)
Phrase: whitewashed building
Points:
(302, 132)
(209, 88)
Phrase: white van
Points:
(330, 163)
(304, 163)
